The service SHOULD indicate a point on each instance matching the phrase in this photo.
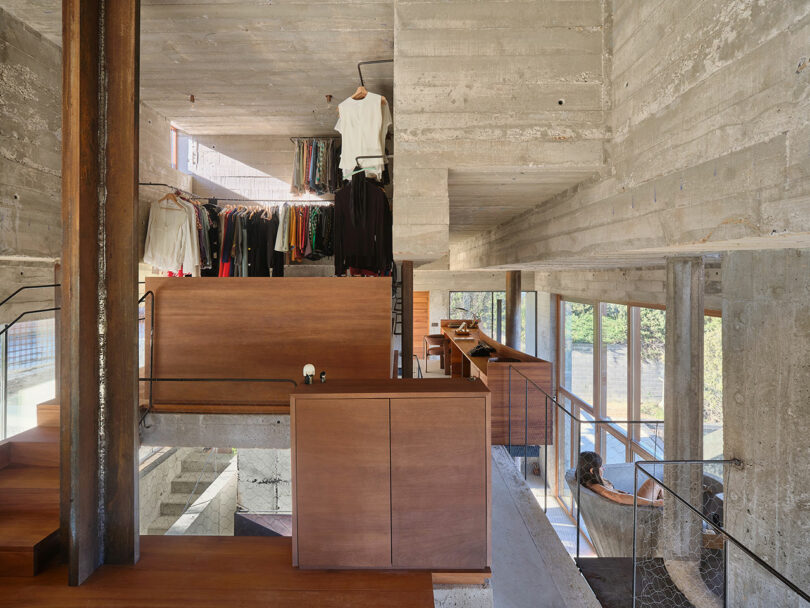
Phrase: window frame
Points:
(492, 309)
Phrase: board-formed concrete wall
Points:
(624, 286)
(477, 92)
(766, 419)
(31, 162)
(710, 131)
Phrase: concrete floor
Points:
(530, 565)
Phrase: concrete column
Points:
(513, 309)
(766, 421)
(683, 403)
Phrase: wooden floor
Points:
(220, 571)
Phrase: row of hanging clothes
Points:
(316, 166)
(189, 236)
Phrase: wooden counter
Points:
(391, 474)
(495, 375)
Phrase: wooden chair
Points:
(434, 346)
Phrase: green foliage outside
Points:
(579, 330)
(713, 370)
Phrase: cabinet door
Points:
(439, 468)
(342, 483)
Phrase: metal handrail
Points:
(151, 379)
(141, 300)
(579, 422)
(21, 289)
(717, 528)
(418, 367)
(23, 314)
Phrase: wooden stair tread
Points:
(38, 434)
(22, 477)
(24, 530)
(48, 414)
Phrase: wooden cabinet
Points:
(439, 483)
(345, 468)
(392, 474)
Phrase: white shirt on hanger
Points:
(170, 240)
(363, 125)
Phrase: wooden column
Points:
(99, 284)
(513, 309)
(407, 319)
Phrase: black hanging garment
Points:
(213, 238)
(362, 228)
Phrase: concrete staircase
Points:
(29, 496)
(197, 471)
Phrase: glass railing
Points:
(556, 452)
(27, 355)
(693, 551)
(27, 370)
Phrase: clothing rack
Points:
(385, 157)
(246, 201)
(297, 139)
(362, 63)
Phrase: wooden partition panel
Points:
(264, 328)
(495, 374)
(498, 382)
(421, 320)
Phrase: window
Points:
(712, 388)
(613, 330)
(577, 361)
(628, 367)
(485, 305)
(173, 146)
(652, 329)
(29, 354)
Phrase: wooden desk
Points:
(391, 474)
(495, 375)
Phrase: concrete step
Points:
(175, 504)
(161, 524)
(196, 463)
(185, 483)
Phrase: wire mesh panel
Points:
(679, 557)
(683, 555)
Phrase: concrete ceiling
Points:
(253, 66)
(265, 67)
(480, 200)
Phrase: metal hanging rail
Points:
(246, 201)
(297, 139)
(362, 63)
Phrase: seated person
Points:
(589, 474)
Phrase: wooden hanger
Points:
(361, 93)
(172, 198)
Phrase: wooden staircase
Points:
(29, 496)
